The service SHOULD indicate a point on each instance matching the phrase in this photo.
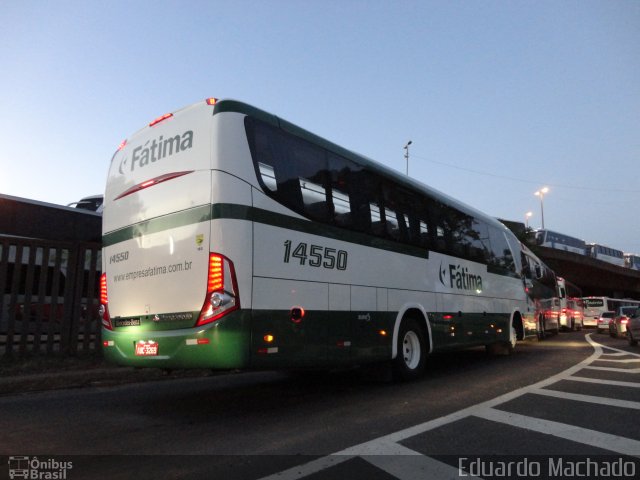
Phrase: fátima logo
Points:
(459, 278)
(158, 149)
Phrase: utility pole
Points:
(406, 155)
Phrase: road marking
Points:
(309, 468)
(588, 398)
(406, 464)
(603, 382)
(626, 360)
(387, 454)
(613, 369)
(617, 354)
(606, 441)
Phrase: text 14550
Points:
(315, 255)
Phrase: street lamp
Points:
(527, 216)
(541, 193)
(406, 155)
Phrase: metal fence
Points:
(50, 297)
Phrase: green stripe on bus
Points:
(159, 224)
(266, 217)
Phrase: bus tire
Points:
(410, 360)
(508, 347)
(513, 335)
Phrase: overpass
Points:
(594, 277)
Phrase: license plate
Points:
(146, 349)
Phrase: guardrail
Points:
(49, 297)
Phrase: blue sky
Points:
(498, 98)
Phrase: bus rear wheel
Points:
(410, 360)
(505, 348)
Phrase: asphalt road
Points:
(252, 425)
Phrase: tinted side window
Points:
(329, 188)
(501, 257)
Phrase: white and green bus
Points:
(236, 240)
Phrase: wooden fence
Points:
(50, 297)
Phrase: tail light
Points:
(624, 321)
(104, 303)
(222, 290)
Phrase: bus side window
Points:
(400, 210)
(477, 238)
(424, 233)
(526, 267)
(314, 198)
(341, 174)
(391, 221)
(377, 224)
(268, 176)
(500, 256)
(341, 208)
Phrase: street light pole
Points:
(527, 216)
(540, 193)
(406, 155)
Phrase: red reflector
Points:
(203, 341)
(212, 101)
(161, 119)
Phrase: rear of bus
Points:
(174, 280)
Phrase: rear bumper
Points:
(223, 344)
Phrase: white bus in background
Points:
(235, 239)
(632, 261)
(595, 306)
(606, 254)
(559, 241)
(571, 305)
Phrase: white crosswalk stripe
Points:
(387, 454)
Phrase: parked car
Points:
(633, 328)
(618, 326)
(603, 321)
